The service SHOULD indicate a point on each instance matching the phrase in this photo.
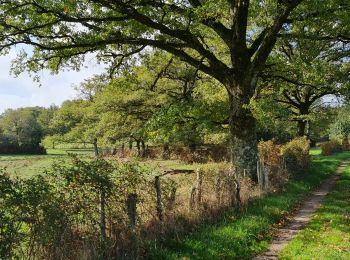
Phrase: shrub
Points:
(330, 147)
(14, 148)
(272, 159)
(283, 160)
(296, 154)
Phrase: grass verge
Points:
(243, 235)
(327, 235)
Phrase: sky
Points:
(22, 91)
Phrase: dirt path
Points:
(302, 216)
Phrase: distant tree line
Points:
(21, 130)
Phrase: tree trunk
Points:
(308, 129)
(345, 141)
(143, 146)
(166, 151)
(302, 127)
(122, 150)
(243, 137)
(192, 147)
(103, 217)
(95, 147)
(138, 148)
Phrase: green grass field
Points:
(243, 235)
(25, 166)
(327, 236)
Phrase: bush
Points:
(282, 160)
(272, 159)
(330, 147)
(79, 211)
(296, 155)
(14, 148)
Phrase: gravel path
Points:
(301, 217)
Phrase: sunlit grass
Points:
(26, 166)
(315, 151)
(327, 236)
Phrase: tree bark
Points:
(166, 151)
(138, 148)
(345, 141)
(192, 146)
(243, 137)
(143, 146)
(302, 127)
(95, 147)
(122, 150)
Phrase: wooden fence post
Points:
(218, 189)
(103, 216)
(266, 177)
(199, 188)
(131, 207)
(159, 198)
(232, 188)
(237, 182)
(192, 197)
(258, 170)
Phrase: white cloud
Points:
(23, 91)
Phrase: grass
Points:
(314, 151)
(26, 166)
(243, 235)
(327, 235)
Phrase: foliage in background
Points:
(331, 147)
(340, 129)
(21, 130)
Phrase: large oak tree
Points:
(62, 32)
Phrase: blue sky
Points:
(22, 91)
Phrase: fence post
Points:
(131, 206)
(159, 198)
(258, 170)
(284, 162)
(235, 189)
(103, 216)
(199, 188)
(218, 189)
(192, 197)
(237, 182)
(266, 177)
(131, 203)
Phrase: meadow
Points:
(26, 166)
